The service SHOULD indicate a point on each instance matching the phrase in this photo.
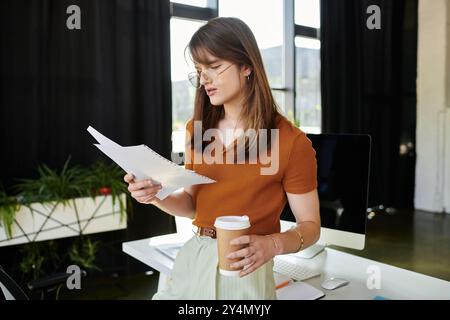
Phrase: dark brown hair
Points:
(232, 40)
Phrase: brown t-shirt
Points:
(241, 189)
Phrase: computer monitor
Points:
(343, 167)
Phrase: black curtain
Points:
(368, 86)
(113, 74)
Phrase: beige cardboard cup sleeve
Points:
(227, 229)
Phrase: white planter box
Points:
(45, 221)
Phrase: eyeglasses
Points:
(209, 74)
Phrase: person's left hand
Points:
(260, 249)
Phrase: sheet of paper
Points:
(101, 138)
(144, 163)
(299, 291)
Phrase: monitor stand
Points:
(309, 252)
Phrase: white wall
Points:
(447, 118)
(433, 85)
(446, 160)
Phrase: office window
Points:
(307, 65)
(183, 93)
(265, 19)
(279, 97)
(307, 13)
(196, 3)
(307, 84)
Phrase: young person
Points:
(233, 95)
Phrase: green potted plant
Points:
(72, 199)
(104, 179)
(52, 186)
(8, 208)
(83, 253)
(38, 258)
(78, 200)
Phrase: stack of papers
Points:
(144, 163)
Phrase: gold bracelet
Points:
(302, 242)
(274, 241)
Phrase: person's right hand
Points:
(143, 191)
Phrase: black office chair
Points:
(48, 286)
(9, 289)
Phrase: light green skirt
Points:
(195, 276)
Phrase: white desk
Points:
(395, 283)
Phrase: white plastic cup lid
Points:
(232, 222)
